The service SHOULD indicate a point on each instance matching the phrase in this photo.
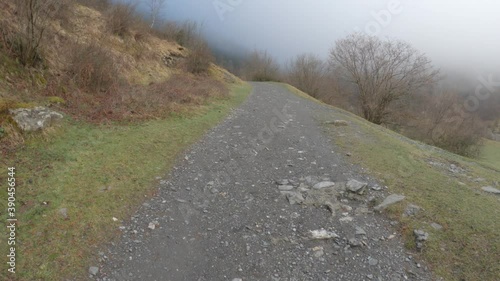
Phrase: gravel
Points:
(235, 223)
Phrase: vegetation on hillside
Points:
(467, 247)
(389, 82)
(133, 97)
(99, 62)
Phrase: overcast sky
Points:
(458, 33)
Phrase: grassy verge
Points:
(491, 154)
(96, 173)
(468, 246)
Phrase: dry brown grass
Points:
(200, 58)
(121, 18)
(185, 34)
(92, 68)
(102, 77)
(136, 102)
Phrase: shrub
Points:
(461, 135)
(62, 10)
(161, 99)
(260, 66)
(33, 18)
(120, 18)
(306, 72)
(92, 68)
(444, 123)
(186, 34)
(200, 58)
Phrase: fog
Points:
(462, 36)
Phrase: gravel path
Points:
(225, 212)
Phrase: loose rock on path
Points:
(264, 196)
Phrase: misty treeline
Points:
(389, 83)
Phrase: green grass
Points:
(491, 153)
(69, 169)
(468, 248)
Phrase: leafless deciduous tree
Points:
(33, 16)
(155, 7)
(306, 72)
(383, 71)
(260, 66)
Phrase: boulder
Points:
(34, 119)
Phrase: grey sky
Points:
(456, 33)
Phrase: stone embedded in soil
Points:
(323, 184)
(421, 235)
(491, 189)
(293, 197)
(436, 226)
(355, 186)
(353, 242)
(285, 187)
(64, 213)
(372, 261)
(389, 200)
(93, 270)
(338, 123)
(283, 182)
(411, 210)
(360, 231)
(34, 119)
(322, 234)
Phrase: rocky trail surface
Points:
(264, 196)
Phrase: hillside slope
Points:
(130, 106)
(461, 218)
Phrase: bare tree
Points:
(260, 66)
(306, 72)
(383, 71)
(155, 9)
(33, 17)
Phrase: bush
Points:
(461, 135)
(306, 72)
(161, 99)
(186, 34)
(120, 18)
(33, 17)
(92, 68)
(200, 58)
(444, 123)
(260, 66)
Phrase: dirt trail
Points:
(225, 212)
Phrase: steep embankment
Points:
(461, 218)
(130, 107)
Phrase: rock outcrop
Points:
(34, 119)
